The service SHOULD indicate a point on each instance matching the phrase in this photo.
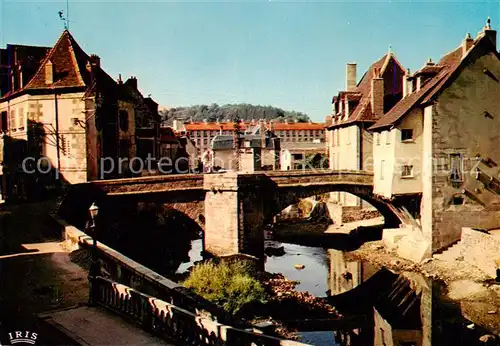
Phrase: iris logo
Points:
(24, 337)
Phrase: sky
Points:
(288, 54)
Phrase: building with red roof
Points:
(354, 110)
(437, 150)
(59, 108)
(203, 133)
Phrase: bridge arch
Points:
(286, 196)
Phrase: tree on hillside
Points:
(245, 112)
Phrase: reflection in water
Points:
(345, 275)
(381, 307)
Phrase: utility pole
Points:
(237, 142)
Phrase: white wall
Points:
(344, 153)
(409, 153)
(41, 109)
(383, 162)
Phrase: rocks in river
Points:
(299, 266)
(471, 326)
(492, 312)
(275, 251)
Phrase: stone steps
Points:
(452, 253)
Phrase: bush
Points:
(228, 285)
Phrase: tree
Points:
(244, 112)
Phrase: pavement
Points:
(98, 326)
(39, 278)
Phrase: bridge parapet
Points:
(153, 184)
(317, 177)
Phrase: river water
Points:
(386, 308)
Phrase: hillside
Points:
(244, 112)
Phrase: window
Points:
(407, 135)
(21, 119)
(388, 137)
(377, 138)
(382, 164)
(12, 120)
(407, 171)
(338, 137)
(123, 114)
(3, 122)
(456, 168)
(457, 200)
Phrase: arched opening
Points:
(150, 233)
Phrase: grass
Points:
(227, 284)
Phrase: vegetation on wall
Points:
(230, 112)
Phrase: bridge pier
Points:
(234, 214)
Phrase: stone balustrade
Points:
(173, 323)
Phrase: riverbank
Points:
(472, 290)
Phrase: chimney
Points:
(95, 61)
(350, 81)
(49, 72)
(406, 83)
(132, 81)
(21, 81)
(467, 44)
(488, 32)
(377, 94)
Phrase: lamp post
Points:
(95, 269)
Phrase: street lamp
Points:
(95, 269)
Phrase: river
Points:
(388, 308)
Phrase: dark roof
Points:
(363, 111)
(448, 64)
(69, 63)
(27, 57)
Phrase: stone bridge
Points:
(231, 208)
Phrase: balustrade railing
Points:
(173, 323)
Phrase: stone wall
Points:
(462, 129)
(481, 250)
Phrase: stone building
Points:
(259, 150)
(354, 110)
(147, 119)
(303, 155)
(63, 116)
(437, 151)
(202, 133)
